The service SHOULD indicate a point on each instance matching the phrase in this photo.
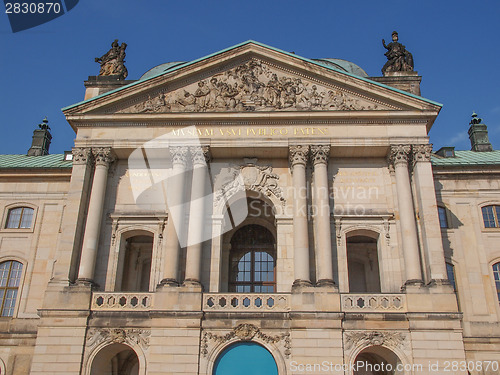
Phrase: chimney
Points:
(478, 135)
(41, 140)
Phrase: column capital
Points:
(179, 154)
(298, 154)
(103, 156)
(200, 155)
(320, 154)
(421, 152)
(81, 155)
(399, 154)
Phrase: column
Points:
(298, 159)
(200, 157)
(435, 267)
(175, 199)
(321, 204)
(399, 156)
(103, 158)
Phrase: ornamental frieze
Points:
(96, 336)
(375, 338)
(245, 332)
(253, 86)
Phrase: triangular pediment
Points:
(251, 78)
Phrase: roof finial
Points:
(45, 124)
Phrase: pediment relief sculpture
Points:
(253, 86)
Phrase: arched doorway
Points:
(362, 264)
(115, 359)
(252, 261)
(377, 360)
(245, 358)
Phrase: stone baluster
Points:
(399, 157)
(200, 157)
(320, 155)
(176, 186)
(103, 157)
(298, 160)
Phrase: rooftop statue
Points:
(398, 58)
(112, 62)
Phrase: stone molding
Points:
(245, 332)
(82, 155)
(103, 156)
(376, 338)
(320, 154)
(132, 336)
(298, 154)
(399, 154)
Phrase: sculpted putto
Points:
(251, 86)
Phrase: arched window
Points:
(19, 217)
(245, 358)
(491, 216)
(10, 277)
(252, 261)
(496, 274)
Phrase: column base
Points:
(300, 284)
(169, 282)
(87, 282)
(413, 284)
(325, 283)
(192, 283)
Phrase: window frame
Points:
(496, 283)
(439, 208)
(18, 288)
(13, 206)
(496, 216)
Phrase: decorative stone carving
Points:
(252, 86)
(81, 155)
(399, 154)
(298, 154)
(112, 62)
(421, 153)
(389, 339)
(320, 154)
(96, 336)
(103, 156)
(245, 332)
(398, 58)
(179, 154)
(200, 155)
(257, 178)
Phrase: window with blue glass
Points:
(491, 216)
(10, 277)
(19, 218)
(496, 274)
(245, 358)
(443, 218)
(252, 261)
(450, 270)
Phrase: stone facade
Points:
(337, 172)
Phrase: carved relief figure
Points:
(398, 58)
(251, 86)
(113, 61)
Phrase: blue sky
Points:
(455, 45)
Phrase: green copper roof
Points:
(468, 158)
(324, 64)
(34, 162)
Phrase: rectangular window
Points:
(443, 219)
(450, 270)
(490, 216)
(496, 274)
